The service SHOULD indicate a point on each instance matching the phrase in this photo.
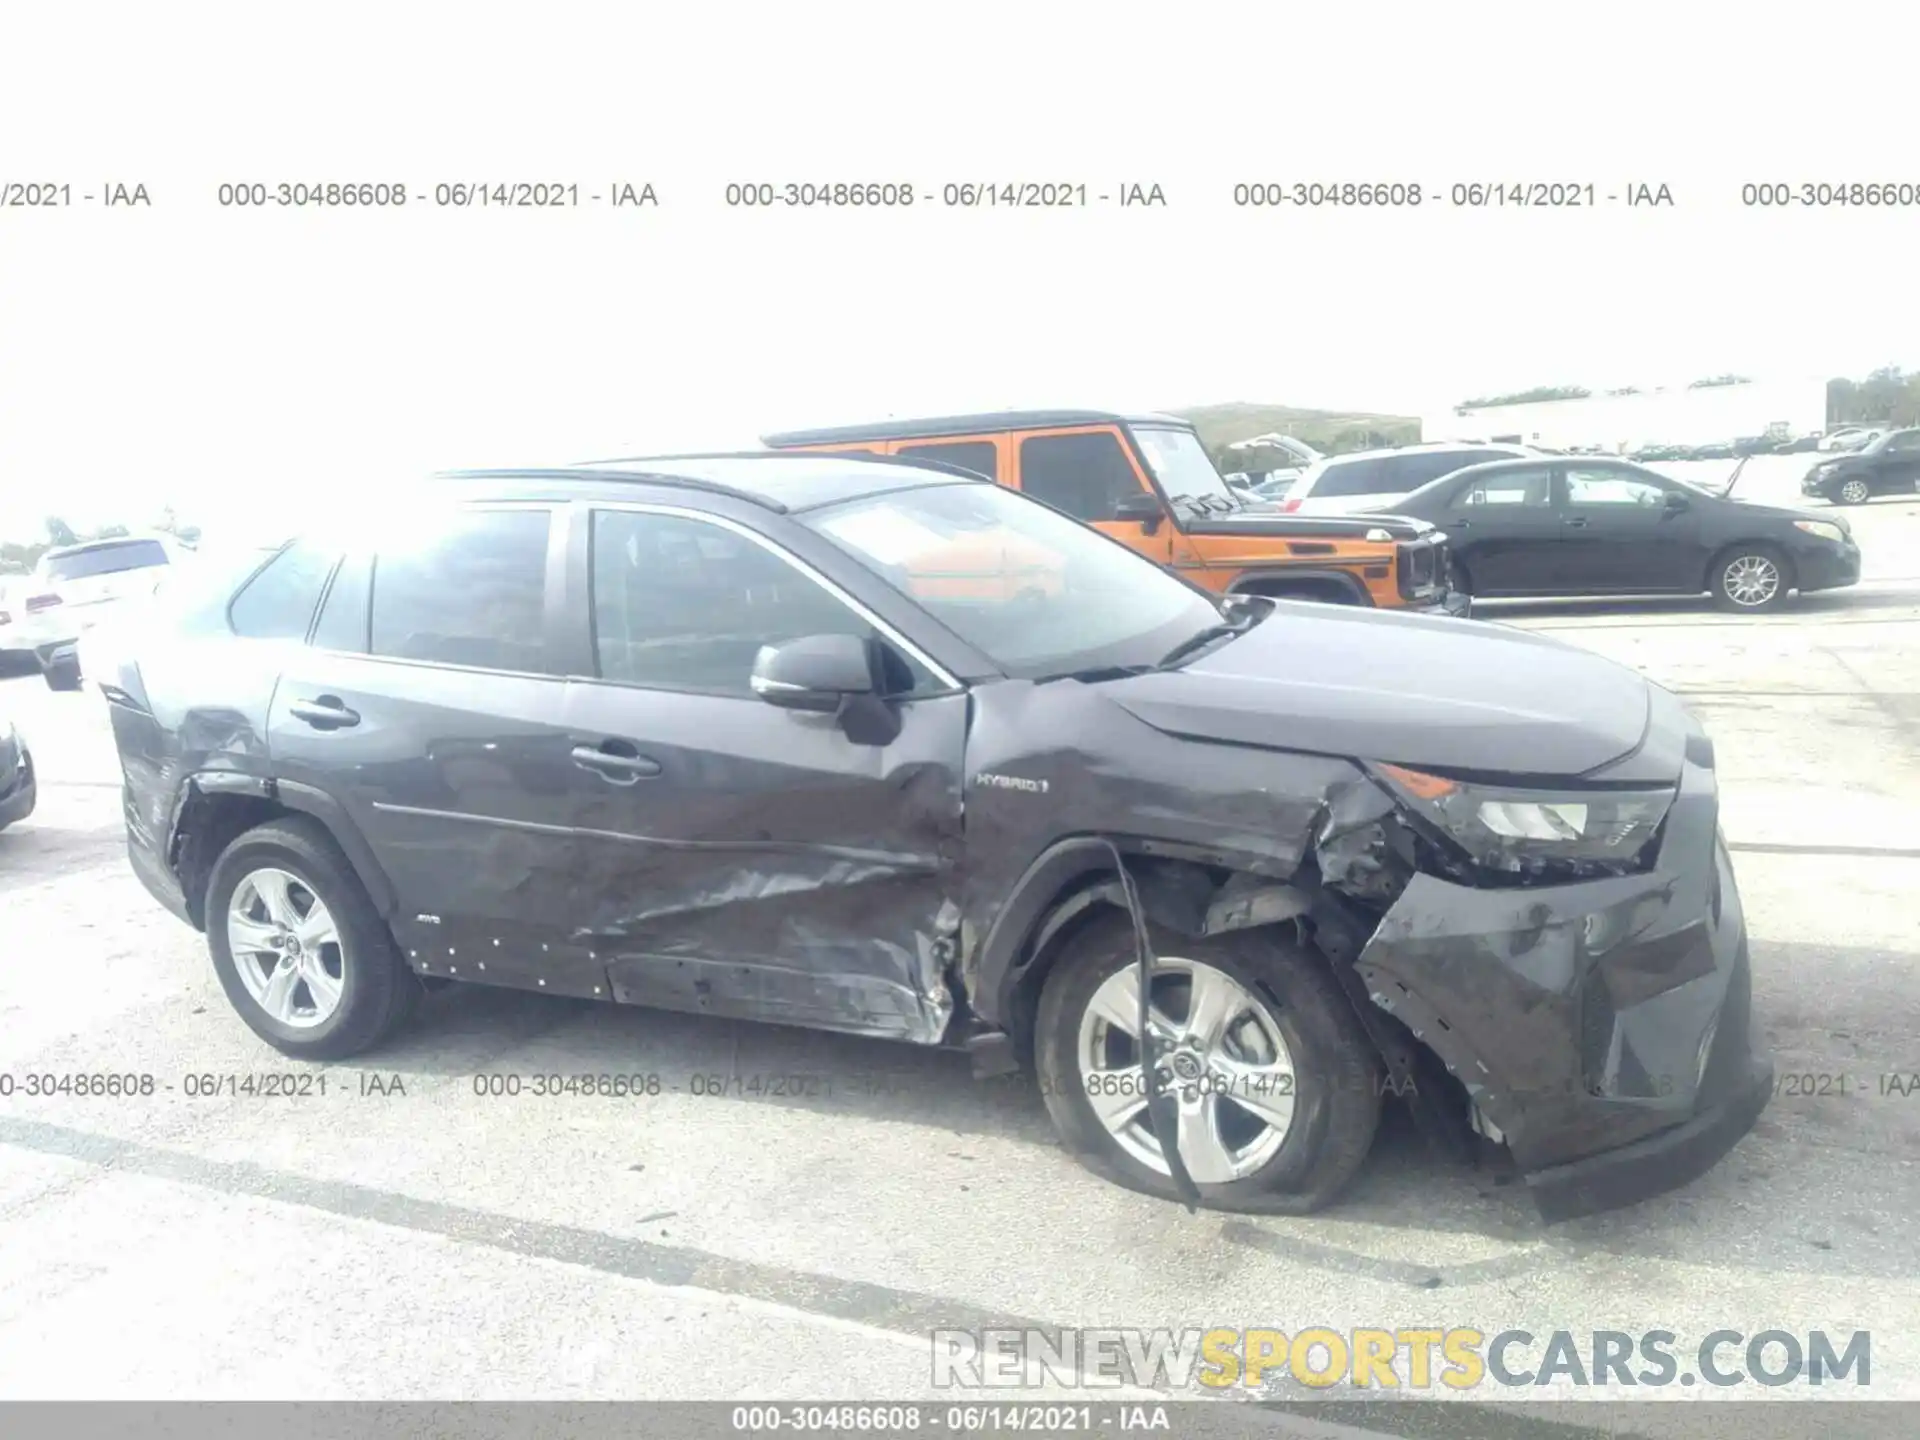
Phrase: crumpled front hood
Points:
(1414, 689)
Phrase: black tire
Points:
(1718, 579)
(1338, 1083)
(378, 992)
(1861, 493)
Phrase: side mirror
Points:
(815, 672)
(1141, 509)
(1676, 502)
(829, 675)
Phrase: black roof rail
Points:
(644, 477)
(868, 457)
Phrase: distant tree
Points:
(61, 533)
(1713, 381)
(1525, 397)
(1626, 390)
(1888, 396)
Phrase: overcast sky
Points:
(227, 360)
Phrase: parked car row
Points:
(75, 587)
(877, 743)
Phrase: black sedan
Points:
(1582, 526)
(1887, 465)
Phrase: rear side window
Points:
(1085, 475)
(1399, 474)
(979, 456)
(278, 602)
(471, 592)
(1355, 477)
(104, 560)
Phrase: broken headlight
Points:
(1539, 832)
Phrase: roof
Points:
(106, 542)
(1427, 447)
(986, 423)
(771, 479)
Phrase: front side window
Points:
(1087, 474)
(1031, 589)
(466, 589)
(1593, 485)
(1905, 441)
(278, 602)
(685, 604)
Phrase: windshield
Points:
(1038, 593)
(103, 560)
(1179, 462)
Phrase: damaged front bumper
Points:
(1601, 1028)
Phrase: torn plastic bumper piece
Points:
(1661, 1162)
(1601, 1027)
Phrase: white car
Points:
(75, 587)
(1375, 480)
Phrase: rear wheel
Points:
(302, 953)
(1277, 1088)
(1751, 578)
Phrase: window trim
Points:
(581, 522)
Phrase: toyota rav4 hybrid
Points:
(880, 748)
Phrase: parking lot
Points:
(801, 1231)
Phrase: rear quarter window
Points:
(103, 560)
(278, 603)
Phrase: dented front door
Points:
(737, 858)
(765, 866)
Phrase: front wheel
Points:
(1751, 578)
(302, 953)
(1278, 1090)
(1854, 492)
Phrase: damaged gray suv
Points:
(883, 748)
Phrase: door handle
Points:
(1575, 522)
(326, 713)
(614, 767)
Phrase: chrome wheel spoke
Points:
(1202, 1151)
(1117, 1002)
(272, 888)
(1116, 1096)
(316, 927)
(322, 987)
(277, 998)
(1215, 998)
(1263, 1091)
(251, 937)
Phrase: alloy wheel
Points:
(1751, 580)
(286, 948)
(1855, 492)
(1220, 1053)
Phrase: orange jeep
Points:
(1146, 480)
